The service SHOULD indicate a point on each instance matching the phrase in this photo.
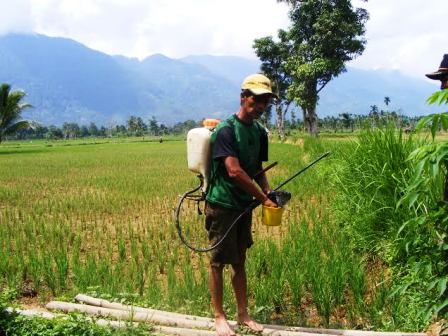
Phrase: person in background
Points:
(442, 75)
(239, 146)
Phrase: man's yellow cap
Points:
(258, 84)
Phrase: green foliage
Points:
(13, 324)
(75, 325)
(273, 56)
(435, 121)
(323, 36)
(422, 241)
(386, 187)
(10, 110)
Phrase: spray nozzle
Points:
(280, 197)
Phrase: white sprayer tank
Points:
(198, 149)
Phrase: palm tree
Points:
(347, 120)
(10, 110)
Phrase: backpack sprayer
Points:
(199, 156)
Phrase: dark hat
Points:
(443, 69)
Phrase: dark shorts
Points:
(233, 249)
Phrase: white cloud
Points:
(15, 18)
(142, 27)
(407, 35)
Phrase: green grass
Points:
(99, 219)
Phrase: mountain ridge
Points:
(69, 82)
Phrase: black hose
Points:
(251, 207)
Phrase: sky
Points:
(404, 35)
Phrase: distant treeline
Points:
(135, 126)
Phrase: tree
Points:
(54, 133)
(93, 129)
(136, 125)
(10, 109)
(273, 56)
(38, 130)
(293, 120)
(71, 130)
(120, 130)
(347, 120)
(324, 35)
(83, 131)
(153, 126)
(132, 124)
(373, 114)
(387, 101)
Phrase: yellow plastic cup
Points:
(271, 216)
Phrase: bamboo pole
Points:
(118, 324)
(343, 332)
(128, 315)
(159, 319)
(114, 305)
(179, 329)
(319, 331)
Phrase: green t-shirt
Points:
(246, 142)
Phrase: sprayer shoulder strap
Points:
(215, 165)
(231, 123)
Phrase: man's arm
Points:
(242, 180)
(262, 181)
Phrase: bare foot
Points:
(223, 327)
(250, 324)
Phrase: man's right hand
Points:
(269, 203)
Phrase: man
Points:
(441, 74)
(239, 145)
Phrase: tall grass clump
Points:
(371, 178)
(387, 203)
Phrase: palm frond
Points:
(18, 126)
(11, 108)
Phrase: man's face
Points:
(444, 82)
(255, 105)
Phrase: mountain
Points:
(68, 82)
(353, 91)
(65, 80)
(356, 90)
(230, 67)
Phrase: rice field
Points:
(98, 218)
